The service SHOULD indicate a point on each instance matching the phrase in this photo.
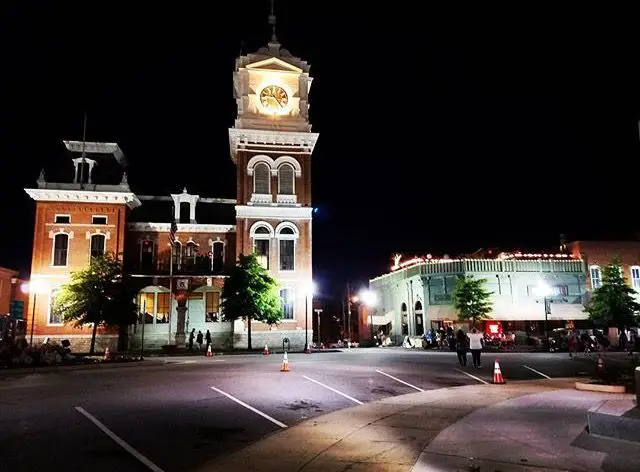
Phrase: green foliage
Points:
(97, 295)
(613, 304)
(471, 299)
(251, 292)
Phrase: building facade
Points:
(94, 210)
(417, 294)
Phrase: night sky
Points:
(440, 131)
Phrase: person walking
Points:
(199, 340)
(475, 345)
(192, 336)
(573, 343)
(207, 338)
(461, 348)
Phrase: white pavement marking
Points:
(401, 381)
(249, 407)
(536, 371)
(472, 376)
(119, 441)
(334, 390)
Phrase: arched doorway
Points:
(405, 319)
(419, 320)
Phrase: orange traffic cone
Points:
(307, 350)
(106, 354)
(285, 363)
(497, 374)
(266, 350)
(209, 353)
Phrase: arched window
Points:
(287, 248)
(261, 179)
(153, 305)
(419, 306)
(97, 245)
(217, 256)
(286, 300)
(261, 240)
(419, 318)
(405, 319)
(286, 180)
(190, 253)
(177, 254)
(60, 249)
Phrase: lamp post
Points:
(543, 290)
(317, 312)
(309, 289)
(35, 287)
(370, 299)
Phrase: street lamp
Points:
(317, 312)
(544, 290)
(35, 287)
(308, 290)
(370, 299)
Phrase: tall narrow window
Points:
(261, 179)
(53, 317)
(190, 254)
(286, 297)
(177, 254)
(146, 255)
(217, 256)
(60, 249)
(596, 277)
(286, 180)
(97, 245)
(146, 307)
(261, 240)
(287, 246)
(635, 277)
(212, 307)
(185, 212)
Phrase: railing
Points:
(200, 266)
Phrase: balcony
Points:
(201, 265)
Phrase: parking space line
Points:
(472, 376)
(334, 390)
(536, 371)
(249, 407)
(119, 441)
(401, 381)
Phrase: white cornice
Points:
(240, 139)
(182, 227)
(83, 196)
(268, 212)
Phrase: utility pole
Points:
(318, 311)
(348, 312)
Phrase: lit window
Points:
(53, 317)
(261, 240)
(63, 219)
(162, 313)
(60, 249)
(212, 309)
(287, 254)
(190, 253)
(99, 220)
(146, 307)
(635, 277)
(596, 277)
(286, 179)
(97, 245)
(261, 179)
(286, 296)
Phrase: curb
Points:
(600, 388)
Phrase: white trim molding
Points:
(289, 160)
(261, 198)
(283, 199)
(287, 224)
(84, 196)
(258, 158)
(241, 139)
(259, 224)
(274, 164)
(185, 197)
(182, 227)
(262, 212)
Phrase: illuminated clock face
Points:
(274, 97)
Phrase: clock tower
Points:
(271, 144)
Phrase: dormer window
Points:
(184, 207)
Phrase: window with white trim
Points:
(286, 180)
(60, 249)
(97, 245)
(287, 297)
(99, 220)
(261, 179)
(190, 253)
(153, 306)
(287, 249)
(54, 318)
(261, 240)
(635, 277)
(62, 219)
(212, 307)
(177, 254)
(596, 277)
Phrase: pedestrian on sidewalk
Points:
(461, 348)
(475, 344)
(199, 340)
(207, 338)
(192, 336)
(573, 343)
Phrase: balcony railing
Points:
(201, 265)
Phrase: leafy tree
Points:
(97, 295)
(471, 299)
(613, 303)
(250, 292)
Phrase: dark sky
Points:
(440, 131)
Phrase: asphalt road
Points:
(176, 415)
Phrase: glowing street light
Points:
(35, 287)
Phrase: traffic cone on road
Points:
(106, 354)
(285, 363)
(209, 353)
(307, 350)
(497, 374)
(266, 350)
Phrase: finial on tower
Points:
(125, 179)
(272, 22)
(41, 177)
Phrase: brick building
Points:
(92, 209)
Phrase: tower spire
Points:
(272, 22)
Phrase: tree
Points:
(250, 292)
(97, 295)
(613, 303)
(471, 299)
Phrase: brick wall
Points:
(602, 253)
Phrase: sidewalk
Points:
(520, 426)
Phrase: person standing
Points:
(192, 336)
(199, 340)
(207, 338)
(573, 343)
(475, 345)
(461, 347)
